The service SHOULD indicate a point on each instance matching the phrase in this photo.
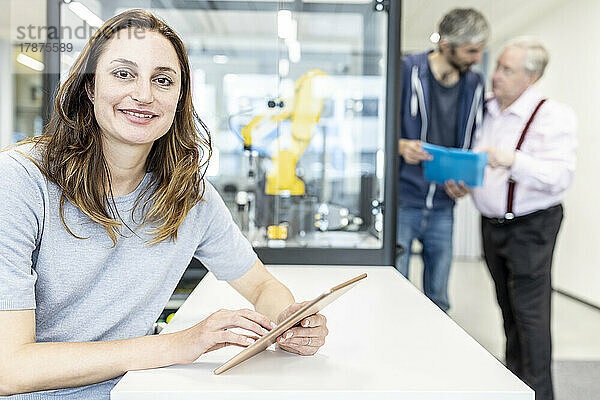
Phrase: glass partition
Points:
(22, 39)
(294, 95)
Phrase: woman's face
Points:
(136, 88)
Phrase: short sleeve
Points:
(21, 221)
(223, 250)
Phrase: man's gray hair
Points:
(536, 55)
(463, 25)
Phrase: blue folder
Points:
(456, 164)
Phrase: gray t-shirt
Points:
(85, 289)
(443, 113)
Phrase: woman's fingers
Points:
(291, 309)
(305, 341)
(230, 338)
(245, 319)
(214, 332)
(319, 331)
(314, 320)
(303, 350)
(307, 338)
(227, 338)
(239, 321)
(258, 318)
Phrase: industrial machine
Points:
(296, 185)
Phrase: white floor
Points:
(575, 327)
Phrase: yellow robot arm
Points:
(304, 116)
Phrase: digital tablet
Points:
(309, 309)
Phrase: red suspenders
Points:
(511, 184)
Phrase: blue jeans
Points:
(433, 228)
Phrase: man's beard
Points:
(452, 61)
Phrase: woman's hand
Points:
(213, 333)
(307, 338)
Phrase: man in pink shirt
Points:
(531, 160)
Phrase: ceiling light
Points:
(293, 50)
(284, 67)
(220, 59)
(284, 24)
(85, 14)
(30, 62)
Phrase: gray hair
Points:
(463, 25)
(536, 55)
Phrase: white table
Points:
(386, 341)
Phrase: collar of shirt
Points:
(522, 107)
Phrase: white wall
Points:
(467, 230)
(571, 34)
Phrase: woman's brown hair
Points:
(71, 146)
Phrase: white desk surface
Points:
(386, 340)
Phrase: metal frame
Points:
(386, 255)
(51, 77)
(313, 256)
(297, 5)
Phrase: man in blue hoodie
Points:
(441, 104)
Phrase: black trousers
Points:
(518, 253)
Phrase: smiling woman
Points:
(86, 135)
(123, 150)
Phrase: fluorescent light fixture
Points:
(435, 37)
(284, 67)
(293, 33)
(30, 62)
(293, 50)
(379, 164)
(220, 59)
(284, 24)
(85, 14)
